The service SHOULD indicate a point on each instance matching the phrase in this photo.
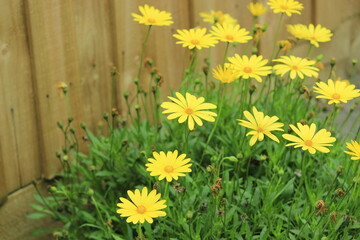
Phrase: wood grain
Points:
(15, 225)
(53, 47)
(19, 129)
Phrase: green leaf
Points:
(37, 215)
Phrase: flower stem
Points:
(309, 52)
(143, 51)
(226, 51)
(138, 229)
(277, 34)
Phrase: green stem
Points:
(329, 116)
(277, 35)
(113, 88)
(226, 51)
(143, 52)
(138, 229)
(220, 102)
(309, 52)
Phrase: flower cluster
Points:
(192, 110)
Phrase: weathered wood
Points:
(3, 190)
(343, 19)
(95, 53)
(53, 46)
(19, 134)
(15, 225)
(272, 20)
(129, 35)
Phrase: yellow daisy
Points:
(347, 82)
(142, 207)
(256, 9)
(261, 125)
(286, 6)
(169, 166)
(217, 17)
(190, 108)
(230, 33)
(225, 74)
(354, 147)
(152, 16)
(317, 34)
(336, 92)
(297, 30)
(297, 67)
(308, 139)
(252, 67)
(195, 38)
(285, 45)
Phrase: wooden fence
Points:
(43, 42)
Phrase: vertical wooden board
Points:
(272, 20)
(161, 47)
(170, 58)
(343, 20)
(14, 223)
(53, 46)
(237, 9)
(95, 51)
(3, 187)
(19, 135)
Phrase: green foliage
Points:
(267, 191)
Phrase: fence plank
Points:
(236, 9)
(168, 57)
(343, 20)
(20, 154)
(272, 19)
(53, 46)
(95, 51)
(3, 187)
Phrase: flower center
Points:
(294, 67)
(313, 38)
(189, 111)
(230, 37)
(195, 42)
(308, 143)
(141, 209)
(169, 169)
(151, 20)
(247, 69)
(284, 7)
(260, 129)
(336, 96)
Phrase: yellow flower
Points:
(225, 74)
(297, 67)
(252, 67)
(354, 147)
(152, 16)
(256, 9)
(195, 38)
(308, 139)
(285, 45)
(217, 17)
(286, 6)
(144, 206)
(169, 166)
(317, 34)
(336, 92)
(347, 82)
(261, 125)
(62, 88)
(190, 108)
(297, 30)
(230, 33)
